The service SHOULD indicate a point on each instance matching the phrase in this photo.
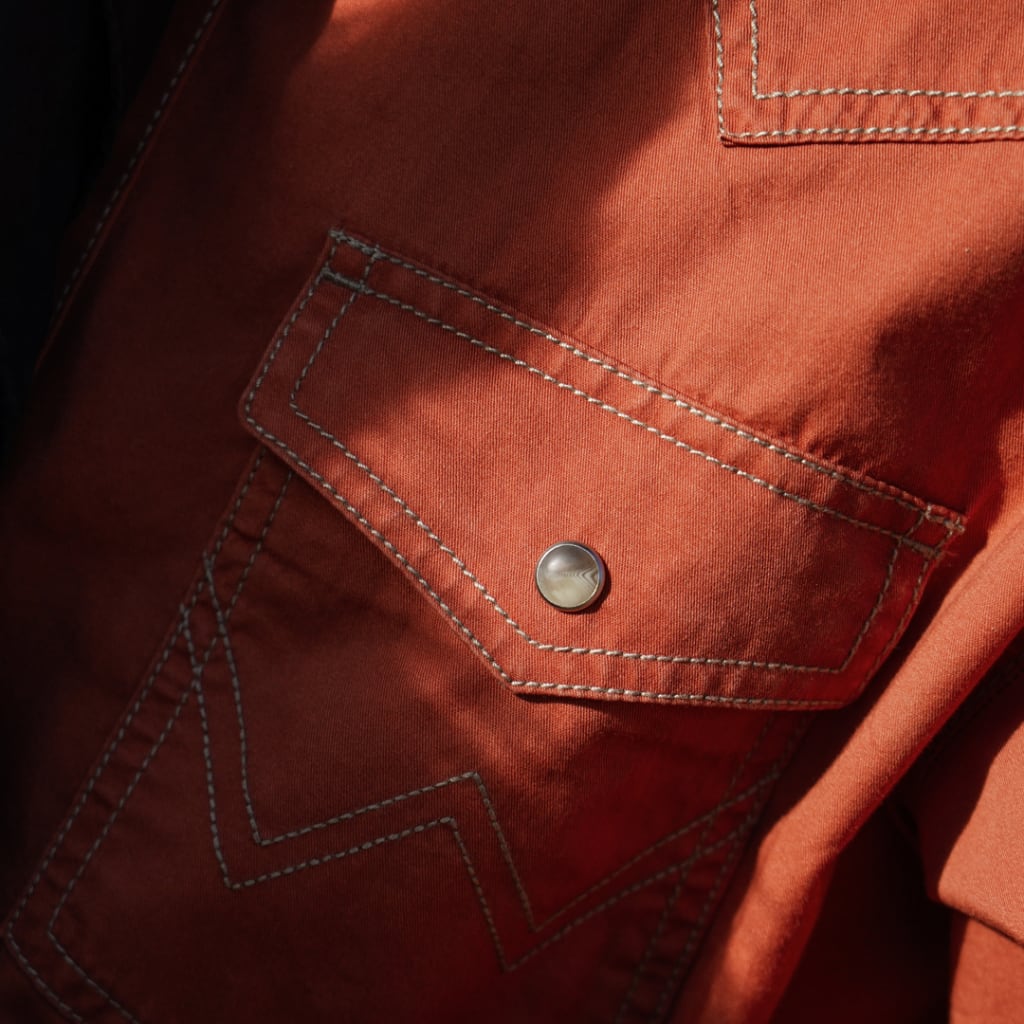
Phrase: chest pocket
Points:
(790, 72)
(465, 442)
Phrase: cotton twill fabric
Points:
(392, 297)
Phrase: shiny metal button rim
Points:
(570, 576)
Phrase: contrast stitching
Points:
(716, 21)
(222, 629)
(197, 669)
(699, 922)
(287, 329)
(450, 821)
(508, 965)
(403, 561)
(478, 888)
(605, 652)
(197, 685)
(677, 889)
(376, 253)
(699, 853)
(108, 754)
(40, 981)
(847, 91)
(338, 317)
(237, 885)
(869, 131)
(548, 378)
(94, 778)
(184, 629)
(735, 844)
(140, 148)
(232, 664)
(652, 944)
(97, 842)
(122, 731)
(707, 817)
(902, 130)
(904, 620)
(327, 858)
(370, 844)
(710, 698)
(344, 503)
(222, 537)
(470, 776)
(561, 649)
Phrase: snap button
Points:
(570, 576)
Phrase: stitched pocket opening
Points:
(743, 572)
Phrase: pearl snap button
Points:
(570, 576)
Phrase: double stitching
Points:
(199, 664)
(361, 287)
(101, 767)
(885, 492)
(697, 927)
(185, 631)
(486, 594)
(727, 800)
(867, 131)
(182, 630)
(952, 94)
(563, 649)
(139, 701)
(701, 849)
(677, 889)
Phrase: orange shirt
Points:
(389, 298)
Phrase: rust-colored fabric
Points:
(382, 300)
(879, 948)
(963, 801)
(989, 973)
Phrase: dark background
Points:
(68, 71)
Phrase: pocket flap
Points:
(465, 442)
(790, 71)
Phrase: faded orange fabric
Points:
(383, 300)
